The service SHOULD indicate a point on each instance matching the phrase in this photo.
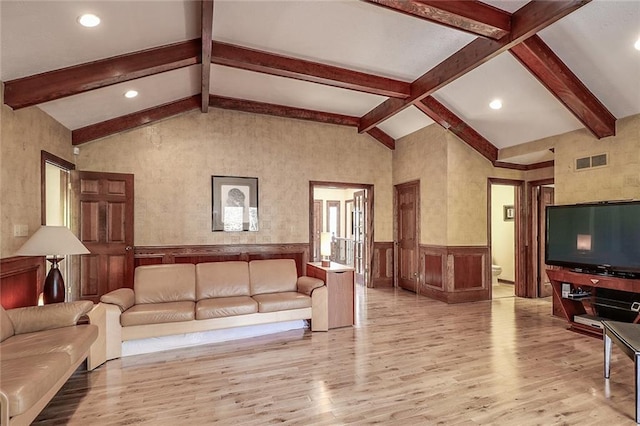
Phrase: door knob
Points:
(128, 248)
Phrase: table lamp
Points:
(55, 242)
(325, 248)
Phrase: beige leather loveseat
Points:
(40, 347)
(174, 299)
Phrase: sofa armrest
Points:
(123, 297)
(47, 317)
(306, 284)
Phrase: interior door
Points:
(359, 232)
(407, 202)
(317, 229)
(546, 195)
(105, 206)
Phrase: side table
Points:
(341, 291)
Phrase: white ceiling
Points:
(595, 42)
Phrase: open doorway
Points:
(541, 195)
(55, 202)
(345, 210)
(505, 238)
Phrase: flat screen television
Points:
(599, 238)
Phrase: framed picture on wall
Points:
(509, 212)
(234, 203)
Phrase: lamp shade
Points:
(52, 241)
(325, 244)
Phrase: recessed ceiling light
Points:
(637, 45)
(130, 94)
(495, 104)
(89, 20)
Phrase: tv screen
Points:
(602, 237)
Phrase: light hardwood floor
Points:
(409, 360)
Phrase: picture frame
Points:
(509, 212)
(234, 203)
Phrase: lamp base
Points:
(326, 263)
(53, 291)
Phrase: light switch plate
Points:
(20, 230)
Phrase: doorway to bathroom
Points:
(504, 233)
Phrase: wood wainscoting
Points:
(220, 253)
(21, 280)
(382, 275)
(455, 274)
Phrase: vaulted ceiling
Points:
(384, 67)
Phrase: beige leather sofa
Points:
(40, 347)
(174, 299)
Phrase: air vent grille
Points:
(599, 160)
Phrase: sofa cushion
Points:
(282, 301)
(73, 341)
(158, 313)
(222, 279)
(225, 307)
(272, 276)
(6, 326)
(27, 379)
(165, 283)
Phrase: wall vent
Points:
(599, 160)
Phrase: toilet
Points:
(496, 270)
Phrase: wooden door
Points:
(359, 235)
(105, 206)
(546, 196)
(317, 229)
(407, 202)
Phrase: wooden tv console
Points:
(588, 282)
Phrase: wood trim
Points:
(524, 167)
(455, 274)
(21, 280)
(48, 86)
(47, 157)
(472, 17)
(528, 20)
(153, 255)
(548, 68)
(382, 271)
(284, 66)
(133, 120)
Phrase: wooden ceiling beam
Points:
(470, 16)
(282, 111)
(299, 69)
(523, 167)
(549, 69)
(48, 86)
(525, 22)
(206, 26)
(382, 137)
(136, 119)
(447, 119)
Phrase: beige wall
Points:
(173, 162)
(24, 133)
(422, 156)
(453, 185)
(619, 180)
